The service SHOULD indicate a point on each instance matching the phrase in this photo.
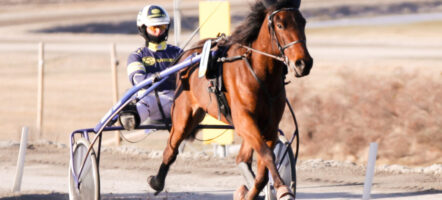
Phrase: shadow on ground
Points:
(346, 195)
(346, 11)
(124, 27)
(131, 196)
(190, 23)
(225, 195)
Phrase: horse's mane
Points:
(248, 30)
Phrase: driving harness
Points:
(214, 75)
(215, 67)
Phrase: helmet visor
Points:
(154, 28)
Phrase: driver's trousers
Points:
(148, 109)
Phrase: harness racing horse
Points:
(271, 39)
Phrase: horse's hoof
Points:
(155, 184)
(240, 193)
(284, 193)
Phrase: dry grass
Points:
(402, 112)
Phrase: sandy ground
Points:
(78, 93)
(123, 174)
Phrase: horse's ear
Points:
(268, 3)
(295, 3)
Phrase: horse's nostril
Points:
(300, 64)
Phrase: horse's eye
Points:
(279, 26)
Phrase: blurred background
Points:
(377, 74)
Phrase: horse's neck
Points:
(266, 68)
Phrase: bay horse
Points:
(270, 40)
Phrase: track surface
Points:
(196, 176)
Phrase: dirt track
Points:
(195, 176)
(77, 60)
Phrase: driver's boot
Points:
(129, 118)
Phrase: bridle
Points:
(273, 35)
(281, 57)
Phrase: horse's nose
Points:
(300, 67)
(300, 64)
(304, 66)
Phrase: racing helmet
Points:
(153, 15)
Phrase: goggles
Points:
(161, 27)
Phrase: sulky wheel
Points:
(89, 179)
(287, 171)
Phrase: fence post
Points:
(40, 89)
(370, 170)
(114, 65)
(176, 21)
(21, 160)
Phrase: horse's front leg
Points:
(261, 178)
(184, 122)
(248, 129)
(244, 162)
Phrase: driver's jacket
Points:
(146, 61)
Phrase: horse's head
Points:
(286, 26)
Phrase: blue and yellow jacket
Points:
(146, 61)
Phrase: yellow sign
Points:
(218, 136)
(214, 18)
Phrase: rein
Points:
(280, 58)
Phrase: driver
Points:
(153, 25)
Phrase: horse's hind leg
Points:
(184, 122)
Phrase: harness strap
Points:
(229, 59)
(215, 86)
(264, 53)
(261, 84)
(215, 81)
(223, 106)
(291, 44)
(249, 66)
(160, 107)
